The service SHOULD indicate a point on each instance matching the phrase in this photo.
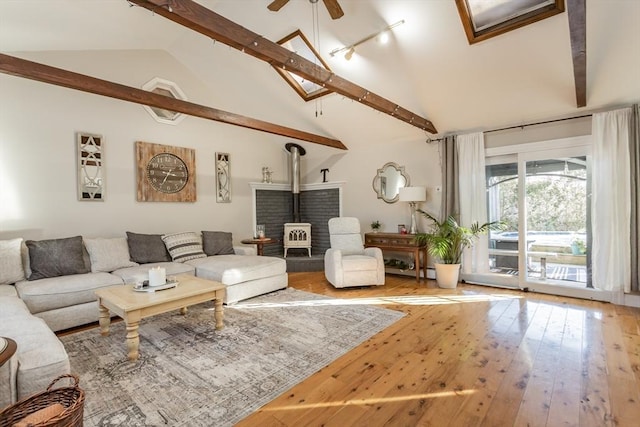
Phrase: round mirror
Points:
(388, 181)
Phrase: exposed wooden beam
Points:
(47, 74)
(577, 11)
(204, 21)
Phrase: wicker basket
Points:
(71, 397)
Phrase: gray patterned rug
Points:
(189, 374)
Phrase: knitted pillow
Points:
(184, 246)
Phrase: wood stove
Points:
(297, 235)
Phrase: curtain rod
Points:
(430, 140)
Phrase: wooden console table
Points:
(396, 242)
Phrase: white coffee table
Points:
(134, 306)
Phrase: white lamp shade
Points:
(413, 194)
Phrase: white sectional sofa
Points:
(40, 356)
(49, 285)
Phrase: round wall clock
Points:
(167, 173)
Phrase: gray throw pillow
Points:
(57, 257)
(146, 248)
(217, 243)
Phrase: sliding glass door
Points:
(557, 210)
(541, 192)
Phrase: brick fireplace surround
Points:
(273, 207)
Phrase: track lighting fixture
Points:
(382, 35)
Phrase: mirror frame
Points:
(223, 178)
(378, 177)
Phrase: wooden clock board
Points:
(165, 173)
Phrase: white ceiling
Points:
(428, 67)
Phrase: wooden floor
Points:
(472, 356)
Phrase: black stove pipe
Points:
(296, 151)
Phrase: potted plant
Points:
(375, 226)
(578, 246)
(446, 241)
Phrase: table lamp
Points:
(413, 195)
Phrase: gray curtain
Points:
(634, 157)
(450, 198)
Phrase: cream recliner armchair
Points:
(348, 262)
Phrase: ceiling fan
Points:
(334, 9)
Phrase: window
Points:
(169, 89)
(483, 19)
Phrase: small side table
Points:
(8, 348)
(259, 243)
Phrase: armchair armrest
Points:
(377, 254)
(333, 266)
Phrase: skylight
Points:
(483, 19)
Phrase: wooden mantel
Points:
(47, 74)
(204, 21)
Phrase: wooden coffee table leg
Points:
(218, 313)
(133, 340)
(104, 320)
(183, 310)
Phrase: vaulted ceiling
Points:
(428, 67)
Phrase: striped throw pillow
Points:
(184, 246)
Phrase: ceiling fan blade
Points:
(276, 5)
(334, 8)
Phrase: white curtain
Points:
(472, 188)
(611, 201)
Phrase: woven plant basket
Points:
(71, 397)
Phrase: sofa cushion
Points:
(8, 291)
(40, 356)
(12, 306)
(217, 243)
(359, 263)
(56, 257)
(57, 292)
(145, 248)
(232, 269)
(11, 269)
(108, 254)
(140, 273)
(184, 246)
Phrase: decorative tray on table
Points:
(148, 288)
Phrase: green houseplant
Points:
(446, 242)
(375, 226)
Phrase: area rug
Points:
(189, 374)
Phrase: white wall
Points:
(38, 122)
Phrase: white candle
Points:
(157, 276)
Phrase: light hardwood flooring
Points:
(472, 356)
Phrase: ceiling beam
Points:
(204, 21)
(47, 74)
(577, 11)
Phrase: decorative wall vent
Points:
(165, 88)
